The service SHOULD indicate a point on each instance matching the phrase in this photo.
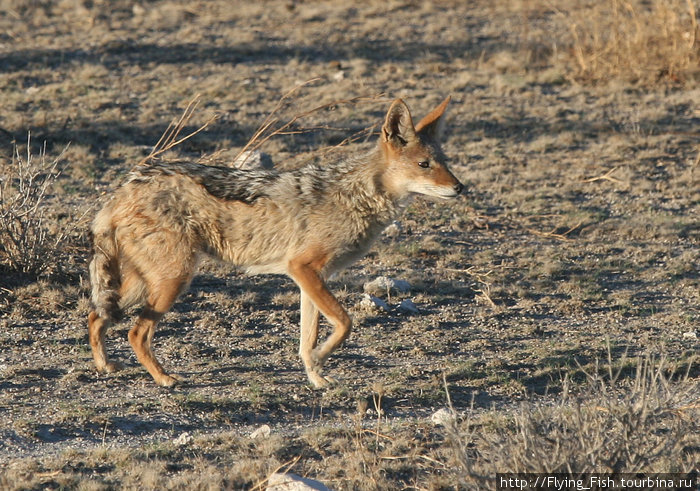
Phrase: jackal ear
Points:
(398, 126)
(431, 125)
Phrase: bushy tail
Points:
(104, 268)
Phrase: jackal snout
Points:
(438, 182)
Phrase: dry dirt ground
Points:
(577, 239)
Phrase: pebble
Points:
(383, 284)
(262, 432)
(374, 303)
(252, 160)
(443, 417)
(291, 482)
(408, 307)
(184, 439)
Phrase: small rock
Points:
(253, 159)
(262, 432)
(690, 335)
(480, 222)
(374, 412)
(184, 439)
(291, 482)
(402, 286)
(443, 417)
(408, 307)
(393, 230)
(380, 284)
(373, 303)
(384, 284)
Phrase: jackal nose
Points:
(459, 187)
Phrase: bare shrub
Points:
(644, 41)
(28, 245)
(646, 423)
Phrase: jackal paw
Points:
(111, 367)
(170, 380)
(319, 381)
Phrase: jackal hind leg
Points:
(98, 326)
(316, 297)
(161, 296)
(97, 329)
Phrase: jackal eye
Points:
(424, 164)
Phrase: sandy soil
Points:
(577, 236)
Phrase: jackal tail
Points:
(104, 269)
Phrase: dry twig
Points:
(553, 235)
(607, 177)
(169, 138)
(271, 125)
(269, 128)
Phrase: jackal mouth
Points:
(437, 191)
(441, 191)
(447, 195)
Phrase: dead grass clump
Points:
(636, 41)
(40, 297)
(366, 458)
(644, 424)
(27, 245)
(285, 299)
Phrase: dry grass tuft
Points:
(636, 41)
(27, 244)
(613, 425)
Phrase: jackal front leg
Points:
(316, 297)
(307, 342)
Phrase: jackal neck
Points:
(361, 183)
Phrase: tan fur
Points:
(306, 223)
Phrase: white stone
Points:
(408, 307)
(291, 482)
(184, 439)
(402, 286)
(371, 302)
(253, 159)
(443, 417)
(690, 335)
(262, 432)
(393, 230)
(384, 284)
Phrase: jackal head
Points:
(413, 159)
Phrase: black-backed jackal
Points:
(306, 223)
